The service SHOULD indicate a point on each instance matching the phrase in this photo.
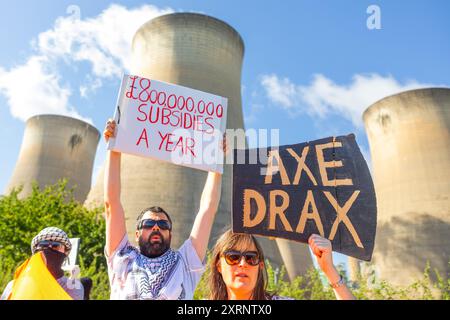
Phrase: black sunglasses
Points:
(49, 244)
(150, 223)
(233, 257)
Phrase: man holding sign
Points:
(154, 271)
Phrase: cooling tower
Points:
(409, 136)
(199, 52)
(56, 147)
(354, 269)
(296, 257)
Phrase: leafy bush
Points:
(313, 286)
(369, 287)
(22, 219)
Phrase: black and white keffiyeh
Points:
(51, 234)
(150, 275)
(172, 276)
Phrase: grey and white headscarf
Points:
(51, 234)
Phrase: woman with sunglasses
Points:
(237, 270)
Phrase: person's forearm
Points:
(112, 177)
(211, 192)
(114, 214)
(209, 204)
(342, 292)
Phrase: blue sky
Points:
(310, 67)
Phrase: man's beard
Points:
(155, 249)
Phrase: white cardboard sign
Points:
(72, 258)
(169, 122)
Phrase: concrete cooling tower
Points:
(409, 136)
(296, 257)
(56, 147)
(199, 52)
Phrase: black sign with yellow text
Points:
(293, 191)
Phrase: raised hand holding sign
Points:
(169, 122)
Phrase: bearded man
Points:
(154, 271)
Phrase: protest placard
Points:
(169, 122)
(73, 255)
(293, 191)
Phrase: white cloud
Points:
(32, 89)
(252, 113)
(324, 97)
(90, 86)
(104, 42)
(281, 91)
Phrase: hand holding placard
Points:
(169, 122)
(110, 129)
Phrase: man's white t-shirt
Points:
(171, 276)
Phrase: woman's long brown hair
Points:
(229, 241)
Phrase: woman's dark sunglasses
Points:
(150, 223)
(44, 244)
(233, 257)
